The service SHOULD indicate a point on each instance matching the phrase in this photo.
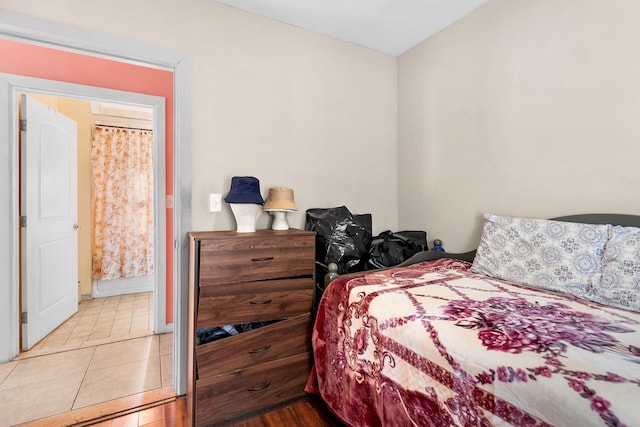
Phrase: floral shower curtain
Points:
(122, 168)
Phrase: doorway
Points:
(49, 50)
(57, 90)
(17, 85)
(113, 163)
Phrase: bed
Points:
(540, 327)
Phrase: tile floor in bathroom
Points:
(105, 351)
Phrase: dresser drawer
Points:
(254, 306)
(281, 339)
(254, 258)
(241, 392)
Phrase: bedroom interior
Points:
(521, 108)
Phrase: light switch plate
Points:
(215, 202)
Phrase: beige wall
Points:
(522, 108)
(289, 106)
(525, 107)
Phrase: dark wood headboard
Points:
(603, 218)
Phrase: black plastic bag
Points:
(389, 248)
(341, 237)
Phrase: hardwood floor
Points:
(308, 413)
(160, 408)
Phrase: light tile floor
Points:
(106, 351)
(100, 321)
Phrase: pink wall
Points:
(52, 64)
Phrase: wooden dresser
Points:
(262, 282)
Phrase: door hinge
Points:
(23, 124)
(23, 221)
(23, 317)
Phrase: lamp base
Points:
(279, 220)
(246, 215)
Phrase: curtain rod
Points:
(121, 126)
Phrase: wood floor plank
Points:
(150, 415)
(175, 413)
(309, 413)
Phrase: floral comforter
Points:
(433, 344)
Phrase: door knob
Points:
(76, 227)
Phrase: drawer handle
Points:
(266, 258)
(261, 350)
(262, 387)
(268, 301)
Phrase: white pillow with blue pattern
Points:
(618, 284)
(553, 255)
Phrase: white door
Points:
(48, 209)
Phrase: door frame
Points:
(65, 37)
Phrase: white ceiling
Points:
(389, 26)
